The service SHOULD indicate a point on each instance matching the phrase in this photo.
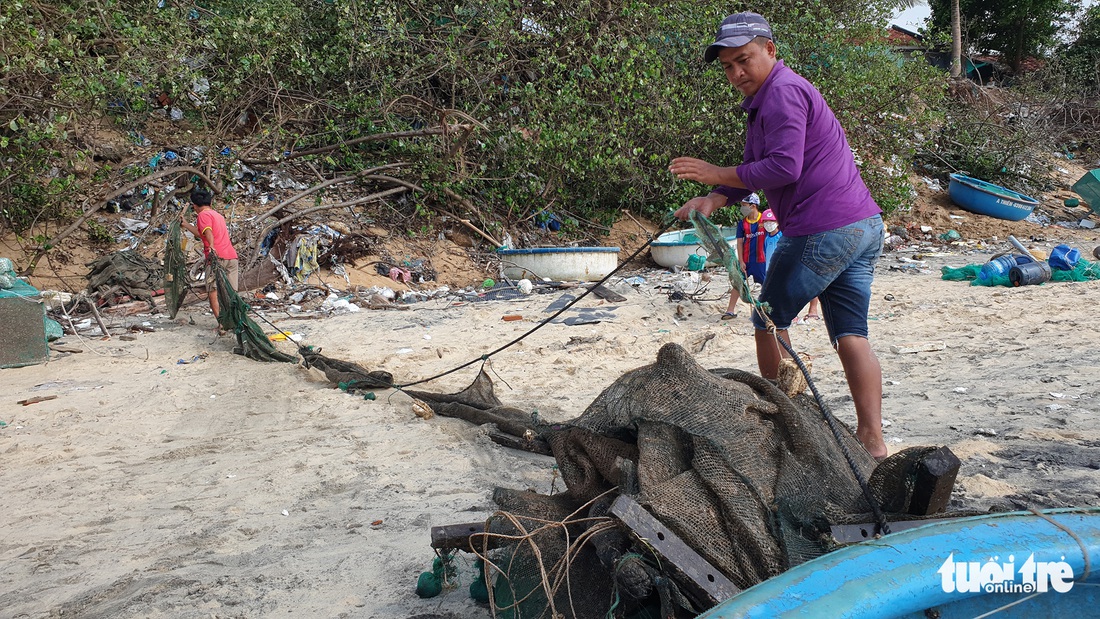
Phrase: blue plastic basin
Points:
(984, 198)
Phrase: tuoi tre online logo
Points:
(993, 577)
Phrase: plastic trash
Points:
(997, 267)
(1064, 257)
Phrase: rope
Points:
(542, 324)
(704, 228)
(1084, 549)
(830, 420)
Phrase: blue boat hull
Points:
(978, 196)
(898, 576)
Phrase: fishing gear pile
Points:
(748, 477)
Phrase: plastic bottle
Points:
(997, 267)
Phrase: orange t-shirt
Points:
(213, 220)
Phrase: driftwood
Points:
(41, 251)
(466, 222)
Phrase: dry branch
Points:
(41, 251)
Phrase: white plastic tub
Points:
(674, 248)
(587, 264)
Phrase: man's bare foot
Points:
(873, 443)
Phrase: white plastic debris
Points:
(525, 286)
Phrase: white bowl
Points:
(674, 248)
(588, 264)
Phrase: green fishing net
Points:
(719, 252)
(175, 270)
(233, 316)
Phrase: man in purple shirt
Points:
(797, 154)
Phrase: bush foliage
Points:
(576, 106)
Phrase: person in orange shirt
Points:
(210, 227)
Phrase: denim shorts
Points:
(836, 266)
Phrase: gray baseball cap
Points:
(737, 30)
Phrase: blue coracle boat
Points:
(915, 574)
(984, 198)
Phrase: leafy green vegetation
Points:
(518, 107)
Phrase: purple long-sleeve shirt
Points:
(797, 153)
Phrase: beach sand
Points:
(224, 487)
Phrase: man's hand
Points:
(704, 204)
(689, 168)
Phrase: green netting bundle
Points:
(719, 251)
(175, 270)
(233, 316)
(1083, 271)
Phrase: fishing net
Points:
(719, 252)
(175, 270)
(1083, 271)
(233, 316)
(748, 477)
(350, 377)
(124, 272)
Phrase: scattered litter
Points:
(422, 409)
(985, 432)
(511, 317)
(1057, 396)
(960, 389)
(404, 351)
(1038, 218)
(195, 359)
(285, 513)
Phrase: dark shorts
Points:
(837, 266)
(756, 271)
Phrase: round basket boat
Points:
(984, 198)
(587, 264)
(674, 248)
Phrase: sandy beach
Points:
(172, 478)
